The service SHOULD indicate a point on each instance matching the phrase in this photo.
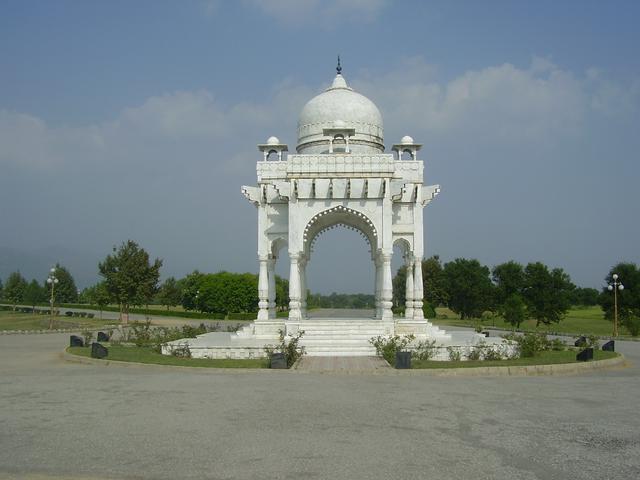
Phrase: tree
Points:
(226, 292)
(14, 288)
(628, 299)
(585, 296)
(97, 295)
(65, 290)
(130, 278)
(513, 310)
(1, 290)
(469, 287)
(509, 280)
(169, 294)
(434, 282)
(547, 293)
(189, 287)
(34, 293)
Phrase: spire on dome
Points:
(339, 67)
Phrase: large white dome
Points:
(340, 107)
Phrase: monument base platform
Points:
(332, 337)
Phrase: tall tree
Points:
(97, 295)
(130, 277)
(226, 292)
(169, 294)
(14, 288)
(469, 287)
(434, 282)
(547, 293)
(628, 299)
(65, 290)
(34, 293)
(189, 287)
(1, 290)
(509, 280)
(514, 310)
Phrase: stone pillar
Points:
(418, 290)
(408, 309)
(271, 271)
(378, 291)
(387, 288)
(303, 287)
(263, 289)
(294, 288)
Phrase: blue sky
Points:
(140, 119)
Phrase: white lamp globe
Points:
(620, 287)
(615, 276)
(48, 280)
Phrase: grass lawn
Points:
(147, 355)
(10, 320)
(579, 320)
(544, 358)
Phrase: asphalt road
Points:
(66, 420)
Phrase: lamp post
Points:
(615, 286)
(52, 280)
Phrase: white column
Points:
(378, 287)
(408, 309)
(303, 287)
(294, 287)
(387, 288)
(263, 290)
(418, 290)
(271, 271)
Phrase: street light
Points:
(615, 286)
(53, 281)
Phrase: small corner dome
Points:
(273, 141)
(339, 106)
(406, 140)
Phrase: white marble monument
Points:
(340, 175)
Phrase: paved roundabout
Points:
(66, 420)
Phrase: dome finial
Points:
(339, 67)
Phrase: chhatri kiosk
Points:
(340, 175)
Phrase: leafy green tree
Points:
(585, 296)
(509, 280)
(65, 290)
(547, 293)
(1, 290)
(469, 287)
(97, 295)
(628, 299)
(130, 278)
(34, 293)
(169, 294)
(514, 310)
(226, 292)
(14, 288)
(282, 293)
(189, 287)
(434, 282)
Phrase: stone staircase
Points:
(340, 337)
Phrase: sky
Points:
(139, 120)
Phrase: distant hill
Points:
(36, 263)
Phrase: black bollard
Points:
(485, 333)
(278, 360)
(403, 360)
(98, 351)
(585, 355)
(610, 346)
(580, 342)
(75, 341)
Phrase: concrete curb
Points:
(511, 371)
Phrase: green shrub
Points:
(633, 325)
(428, 310)
(558, 345)
(289, 346)
(386, 347)
(424, 350)
(454, 354)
